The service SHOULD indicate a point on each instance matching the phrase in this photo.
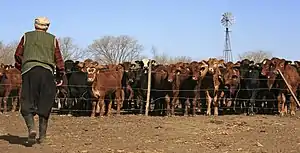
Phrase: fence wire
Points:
(139, 102)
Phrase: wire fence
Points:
(239, 101)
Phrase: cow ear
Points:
(96, 63)
(221, 61)
(6, 67)
(80, 64)
(288, 62)
(119, 67)
(179, 68)
(296, 63)
(264, 61)
(237, 65)
(153, 62)
(204, 63)
(132, 66)
(221, 64)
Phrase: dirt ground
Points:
(131, 133)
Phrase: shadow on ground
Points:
(13, 139)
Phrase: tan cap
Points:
(42, 23)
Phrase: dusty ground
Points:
(129, 133)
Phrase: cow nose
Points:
(211, 69)
(195, 78)
(170, 80)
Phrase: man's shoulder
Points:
(34, 31)
(50, 34)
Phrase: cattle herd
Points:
(244, 87)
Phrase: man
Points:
(36, 57)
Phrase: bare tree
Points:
(70, 51)
(7, 52)
(164, 58)
(113, 50)
(256, 56)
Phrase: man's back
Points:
(39, 47)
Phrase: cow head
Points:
(69, 66)
(281, 64)
(268, 70)
(2, 69)
(176, 70)
(244, 67)
(297, 64)
(199, 69)
(253, 73)
(129, 69)
(214, 65)
(232, 75)
(145, 63)
(91, 69)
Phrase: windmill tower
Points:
(227, 20)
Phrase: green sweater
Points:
(39, 48)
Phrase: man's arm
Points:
(19, 54)
(60, 65)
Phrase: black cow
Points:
(79, 90)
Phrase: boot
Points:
(31, 127)
(43, 124)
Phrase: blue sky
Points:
(190, 27)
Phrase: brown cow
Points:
(161, 90)
(178, 74)
(231, 82)
(90, 67)
(268, 70)
(10, 80)
(107, 82)
(211, 83)
(292, 77)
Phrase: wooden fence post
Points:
(149, 87)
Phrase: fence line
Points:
(149, 98)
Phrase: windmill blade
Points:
(227, 19)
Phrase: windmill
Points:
(227, 20)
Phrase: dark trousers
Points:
(38, 92)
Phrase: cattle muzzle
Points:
(68, 71)
(195, 78)
(235, 77)
(91, 70)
